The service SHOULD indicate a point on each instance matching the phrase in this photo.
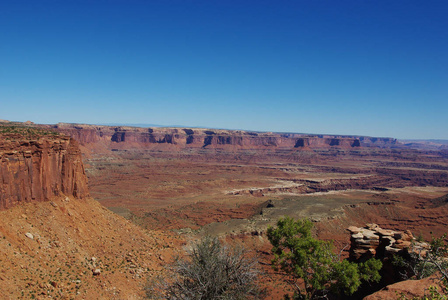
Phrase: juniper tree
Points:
(301, 257)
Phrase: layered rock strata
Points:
(215, 138)
(373, 241)
(39, 169)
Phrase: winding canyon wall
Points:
(40, 169)
(184, 138)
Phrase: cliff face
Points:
(182, 138)
(40, 169)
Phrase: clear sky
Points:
(362, 67)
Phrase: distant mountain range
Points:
(431, 144)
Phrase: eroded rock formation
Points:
(387, 245)
(373, 241)
(40, 168)
(215, 138)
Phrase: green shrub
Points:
(300, 256)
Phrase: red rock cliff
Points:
(181, 138)
(39, 168)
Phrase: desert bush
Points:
(301, 257)
(211, 270)
(424, 262)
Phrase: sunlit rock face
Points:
(373, 241)
(40, 169)
(184, 138)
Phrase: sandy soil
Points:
(51, 250)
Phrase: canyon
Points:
(164, 187)
(191, 177)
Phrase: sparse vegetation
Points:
(211, 270)
(29, 132)
(423, 263)
(303, 258)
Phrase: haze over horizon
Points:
(374, 68)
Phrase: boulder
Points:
(96, 272)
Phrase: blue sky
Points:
(377, 68)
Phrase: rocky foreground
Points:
(372, 241)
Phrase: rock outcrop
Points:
(397, 250)
(373, 241)
(39, 168)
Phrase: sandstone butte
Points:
(57, 242)
(39, 170)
